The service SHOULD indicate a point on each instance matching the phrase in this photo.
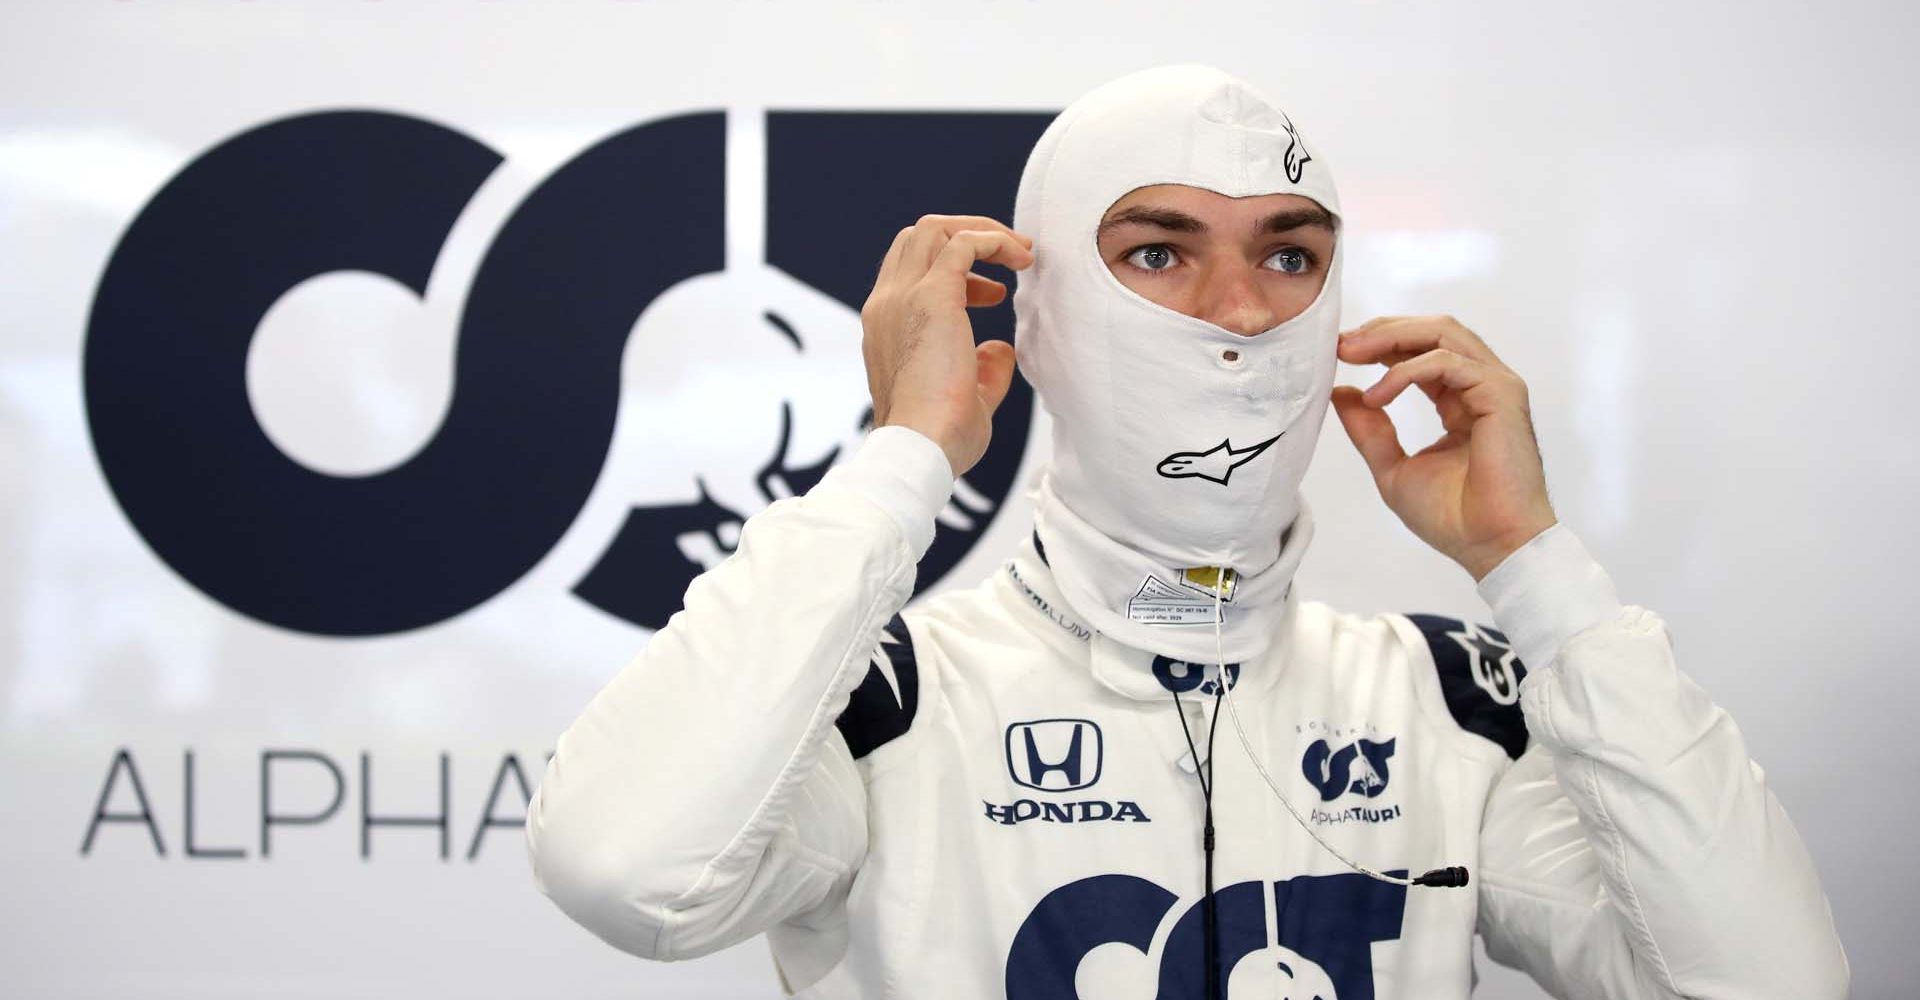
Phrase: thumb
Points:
(995, 361)
(1371, 431)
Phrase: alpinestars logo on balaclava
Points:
(1297, 156)
(1216, 464)
(1134, 386)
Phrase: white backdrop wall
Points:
(1689, 226)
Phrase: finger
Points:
(984, 291)
(1371, 431)
(1370, 324)
(1453, 413)
(1387, 358)
(994, 359)
(1416, 335)
(971, 246)
(1366, 345)
(991, 246)
(1476, 345)
(954, 223)
(1476, 383)
(891, 259)
(1412, 335)
(932, 232)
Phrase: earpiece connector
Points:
(1447, 878)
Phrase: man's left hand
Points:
(1479, 492)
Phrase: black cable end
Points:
(1444, 878)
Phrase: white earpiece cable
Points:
(1220, 657)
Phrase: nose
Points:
(1235, 302)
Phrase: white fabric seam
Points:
(1636, 915)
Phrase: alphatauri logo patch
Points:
(1359, 768)
(1216, 464)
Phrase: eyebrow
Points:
(1177, 221)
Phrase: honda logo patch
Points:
(1054, 755)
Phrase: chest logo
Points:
(1359, 768)
(1054, 755)
(1059, 755)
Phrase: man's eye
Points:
(1152, 257)
(1291, 260)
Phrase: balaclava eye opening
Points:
(1175, 471)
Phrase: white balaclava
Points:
(1178, 446)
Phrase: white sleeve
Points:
(704, 794)
(1635, 850)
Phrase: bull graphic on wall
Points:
(619, 339)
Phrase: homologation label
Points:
(1158, 602)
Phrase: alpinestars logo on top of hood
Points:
(1297, 156)
(1214, 465)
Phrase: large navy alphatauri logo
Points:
(1326, 927)
(612, 284)
(1216, 464)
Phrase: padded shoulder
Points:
(1479, 677)
(881, 709)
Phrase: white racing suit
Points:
(978, 797)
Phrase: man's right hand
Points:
(923, 368)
